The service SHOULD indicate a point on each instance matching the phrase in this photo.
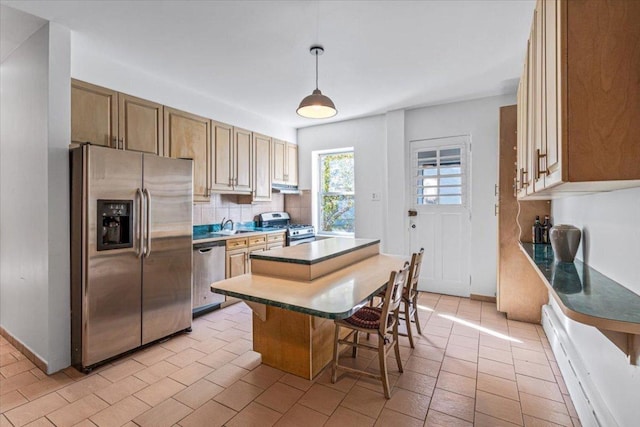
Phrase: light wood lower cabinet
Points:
(275, 240)
(188, 136)
(521, 293)
(94, 114)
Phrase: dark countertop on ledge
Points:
(585, 294)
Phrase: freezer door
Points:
(166, 271)
(111, 287)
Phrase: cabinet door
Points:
(253, 250)
(279, 157)
(527, 179)
(262, 166)
(140, 125)
(540, 131)
(93, 114)
(236, 263)
(222, 153)
(188, 136)
(523, 141)
(292, 164)
(553, 100)
(243, 162)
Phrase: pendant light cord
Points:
(316, 69)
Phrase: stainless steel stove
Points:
(296, 233)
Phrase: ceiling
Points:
(254, 55)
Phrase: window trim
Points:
(319, 194)
(464, 175)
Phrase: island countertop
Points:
(335, 296)
(315, 252)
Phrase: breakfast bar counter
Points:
(292, 326)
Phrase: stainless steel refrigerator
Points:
(131, 248)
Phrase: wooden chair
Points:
(382, 321)
(409, 311)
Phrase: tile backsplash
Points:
(299, 207)
(227, 206)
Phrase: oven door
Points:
(295, 241)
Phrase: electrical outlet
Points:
(375, 197)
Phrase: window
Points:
(439, 176)
(336, 197)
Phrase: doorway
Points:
(439, 187)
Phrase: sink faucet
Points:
(224, 223)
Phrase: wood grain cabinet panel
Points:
(285, 163)
(582, 99)
(262, 167)
(222, 152)
(188, 136)
(140, 124)
(520, 293)
(94, 114)
(243, 160)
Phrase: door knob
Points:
(413, 226)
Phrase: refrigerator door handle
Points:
(147, 246)
(139, 249)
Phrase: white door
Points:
(439, 187)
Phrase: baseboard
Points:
(483, 298)
(586, 398)
(34, 358)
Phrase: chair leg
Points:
(334, 364)
(415, 315)
(382, 356)
(354, 351)
(407, 321)
(396, 345)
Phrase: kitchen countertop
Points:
(335, 296)
(213, 236)
(584, 294)
(315, 252)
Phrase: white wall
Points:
(90, 66)
(34, 219)
(611, 226)
(367, 137)
(381, 146)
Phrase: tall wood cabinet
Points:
(581, 95)
(285, 163)
(189, 136)
(520, 293)
(105, 117)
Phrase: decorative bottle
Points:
(546, 227)
(537, 231)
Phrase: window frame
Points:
(320, 194)
(463, 175)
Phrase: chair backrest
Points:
(414, 273)
(393, 297)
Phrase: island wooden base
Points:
(297, 343)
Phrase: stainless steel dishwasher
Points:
(208, 267)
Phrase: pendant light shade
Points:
(317, 105)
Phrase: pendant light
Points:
(317, 105)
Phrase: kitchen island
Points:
(292, 326)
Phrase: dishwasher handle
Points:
(205, 250)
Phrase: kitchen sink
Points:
(232, 232)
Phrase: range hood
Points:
(285, 189)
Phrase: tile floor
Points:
(472, 366)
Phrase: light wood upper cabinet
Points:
(232, 159)
(222, 153)
(285, 163)
(292, 164)
(189, 136)
(140, 125)
(582, 99)
(94, 114)
(243, 160)
(262, 167)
